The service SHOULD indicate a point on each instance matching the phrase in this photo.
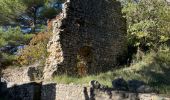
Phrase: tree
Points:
(148, 22)
(32, 7)
(39, 10)
(13, 37)
(10, 10)
(25, 11)
(9, 40)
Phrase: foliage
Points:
(61, 1)
(148, 22)
(11, 37)
(14, 37)
(10, 10)
(30, 3)
(0, 61)
(7, 59)
(32, 12)
(49, 12)
(36, 50)
(29, 12)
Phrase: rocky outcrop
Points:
(88, 37)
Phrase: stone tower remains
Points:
(88, 37)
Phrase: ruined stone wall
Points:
(23, 74)
(88, 39)
(53, 91)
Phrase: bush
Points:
(148, 22)
(12, 37)
(163, 55)
(42, 37)
(7, 59)
(36, 50)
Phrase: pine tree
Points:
(10, 10)
(25, 11)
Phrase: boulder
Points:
(120, 84)
(134, 85)
(95, 84)
(145, 89)
(139, 86)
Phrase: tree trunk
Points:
(34, 20)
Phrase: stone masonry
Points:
(53, 91)
(88, 37)
(22, 75)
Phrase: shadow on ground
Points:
(29, 91)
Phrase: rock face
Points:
(88, 37)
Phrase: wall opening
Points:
(84, 60)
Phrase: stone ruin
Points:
(53, 91)
(89, 36)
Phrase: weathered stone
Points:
(88, 37)
(95, 84)
(48, 91)
(33, 73)
(26, 91)
(23, 74)
(139, 86)
(134, 85)
(3, 89)
(120, 84)
(145, 89)
(53, 91)
(104, 87)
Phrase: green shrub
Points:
(148, 22)
(36, 51)
(163, 55)
(7, 59)
(11, 37)
(14, 36)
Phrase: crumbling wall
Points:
(23, 91)
(53, 91)
(23, 74)
(94, 24)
